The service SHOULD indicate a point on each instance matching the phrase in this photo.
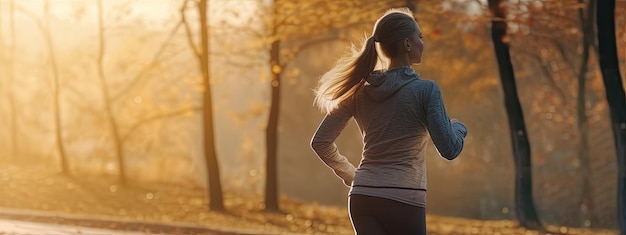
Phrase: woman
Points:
(395, 111)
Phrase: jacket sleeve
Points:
(323, 144)
(448, 137)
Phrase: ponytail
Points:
(349, 73)
(346, 77)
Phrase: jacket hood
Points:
(382, 84)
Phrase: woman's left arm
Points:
(323, 143)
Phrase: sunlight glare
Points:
(111, 166)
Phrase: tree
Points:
(57, 92)
(117, 95)
(2, 55)
(586, 27)
(562, 52)
(562, 43)
(45, 29)
(202, 54)
(607, 50)
(110, 100)
(118, 143)
(271, 132)
(9, 84)
(524, 204)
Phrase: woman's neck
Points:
(399, 62)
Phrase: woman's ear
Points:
(407, 44)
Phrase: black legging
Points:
(380, 216)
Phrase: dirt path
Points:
(15, 221)
(15, 227)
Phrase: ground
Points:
(39, 194)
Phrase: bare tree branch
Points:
(312, 42)
(545, 69)
(139, 77)
(82, 106)
(34, 17)
(559, 46)
(193, 46)
(158, 117)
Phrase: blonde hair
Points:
(349, 73)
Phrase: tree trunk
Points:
(524, 204)
(215, 188)
(3, 70)
(607, 47)
(117, 141)
(271, 133)
(56, 93)
(2, 50)
(4, 57)
(586, 200)
(15, 151)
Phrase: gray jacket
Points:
(395, 111)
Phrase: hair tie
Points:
(375, 37)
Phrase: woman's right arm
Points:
(323, 143)
(447, 135)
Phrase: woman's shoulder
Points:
(424, 84)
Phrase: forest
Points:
(196, 116)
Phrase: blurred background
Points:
(112, 92)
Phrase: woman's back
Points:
(391, 110)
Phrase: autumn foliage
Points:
(152, 112)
